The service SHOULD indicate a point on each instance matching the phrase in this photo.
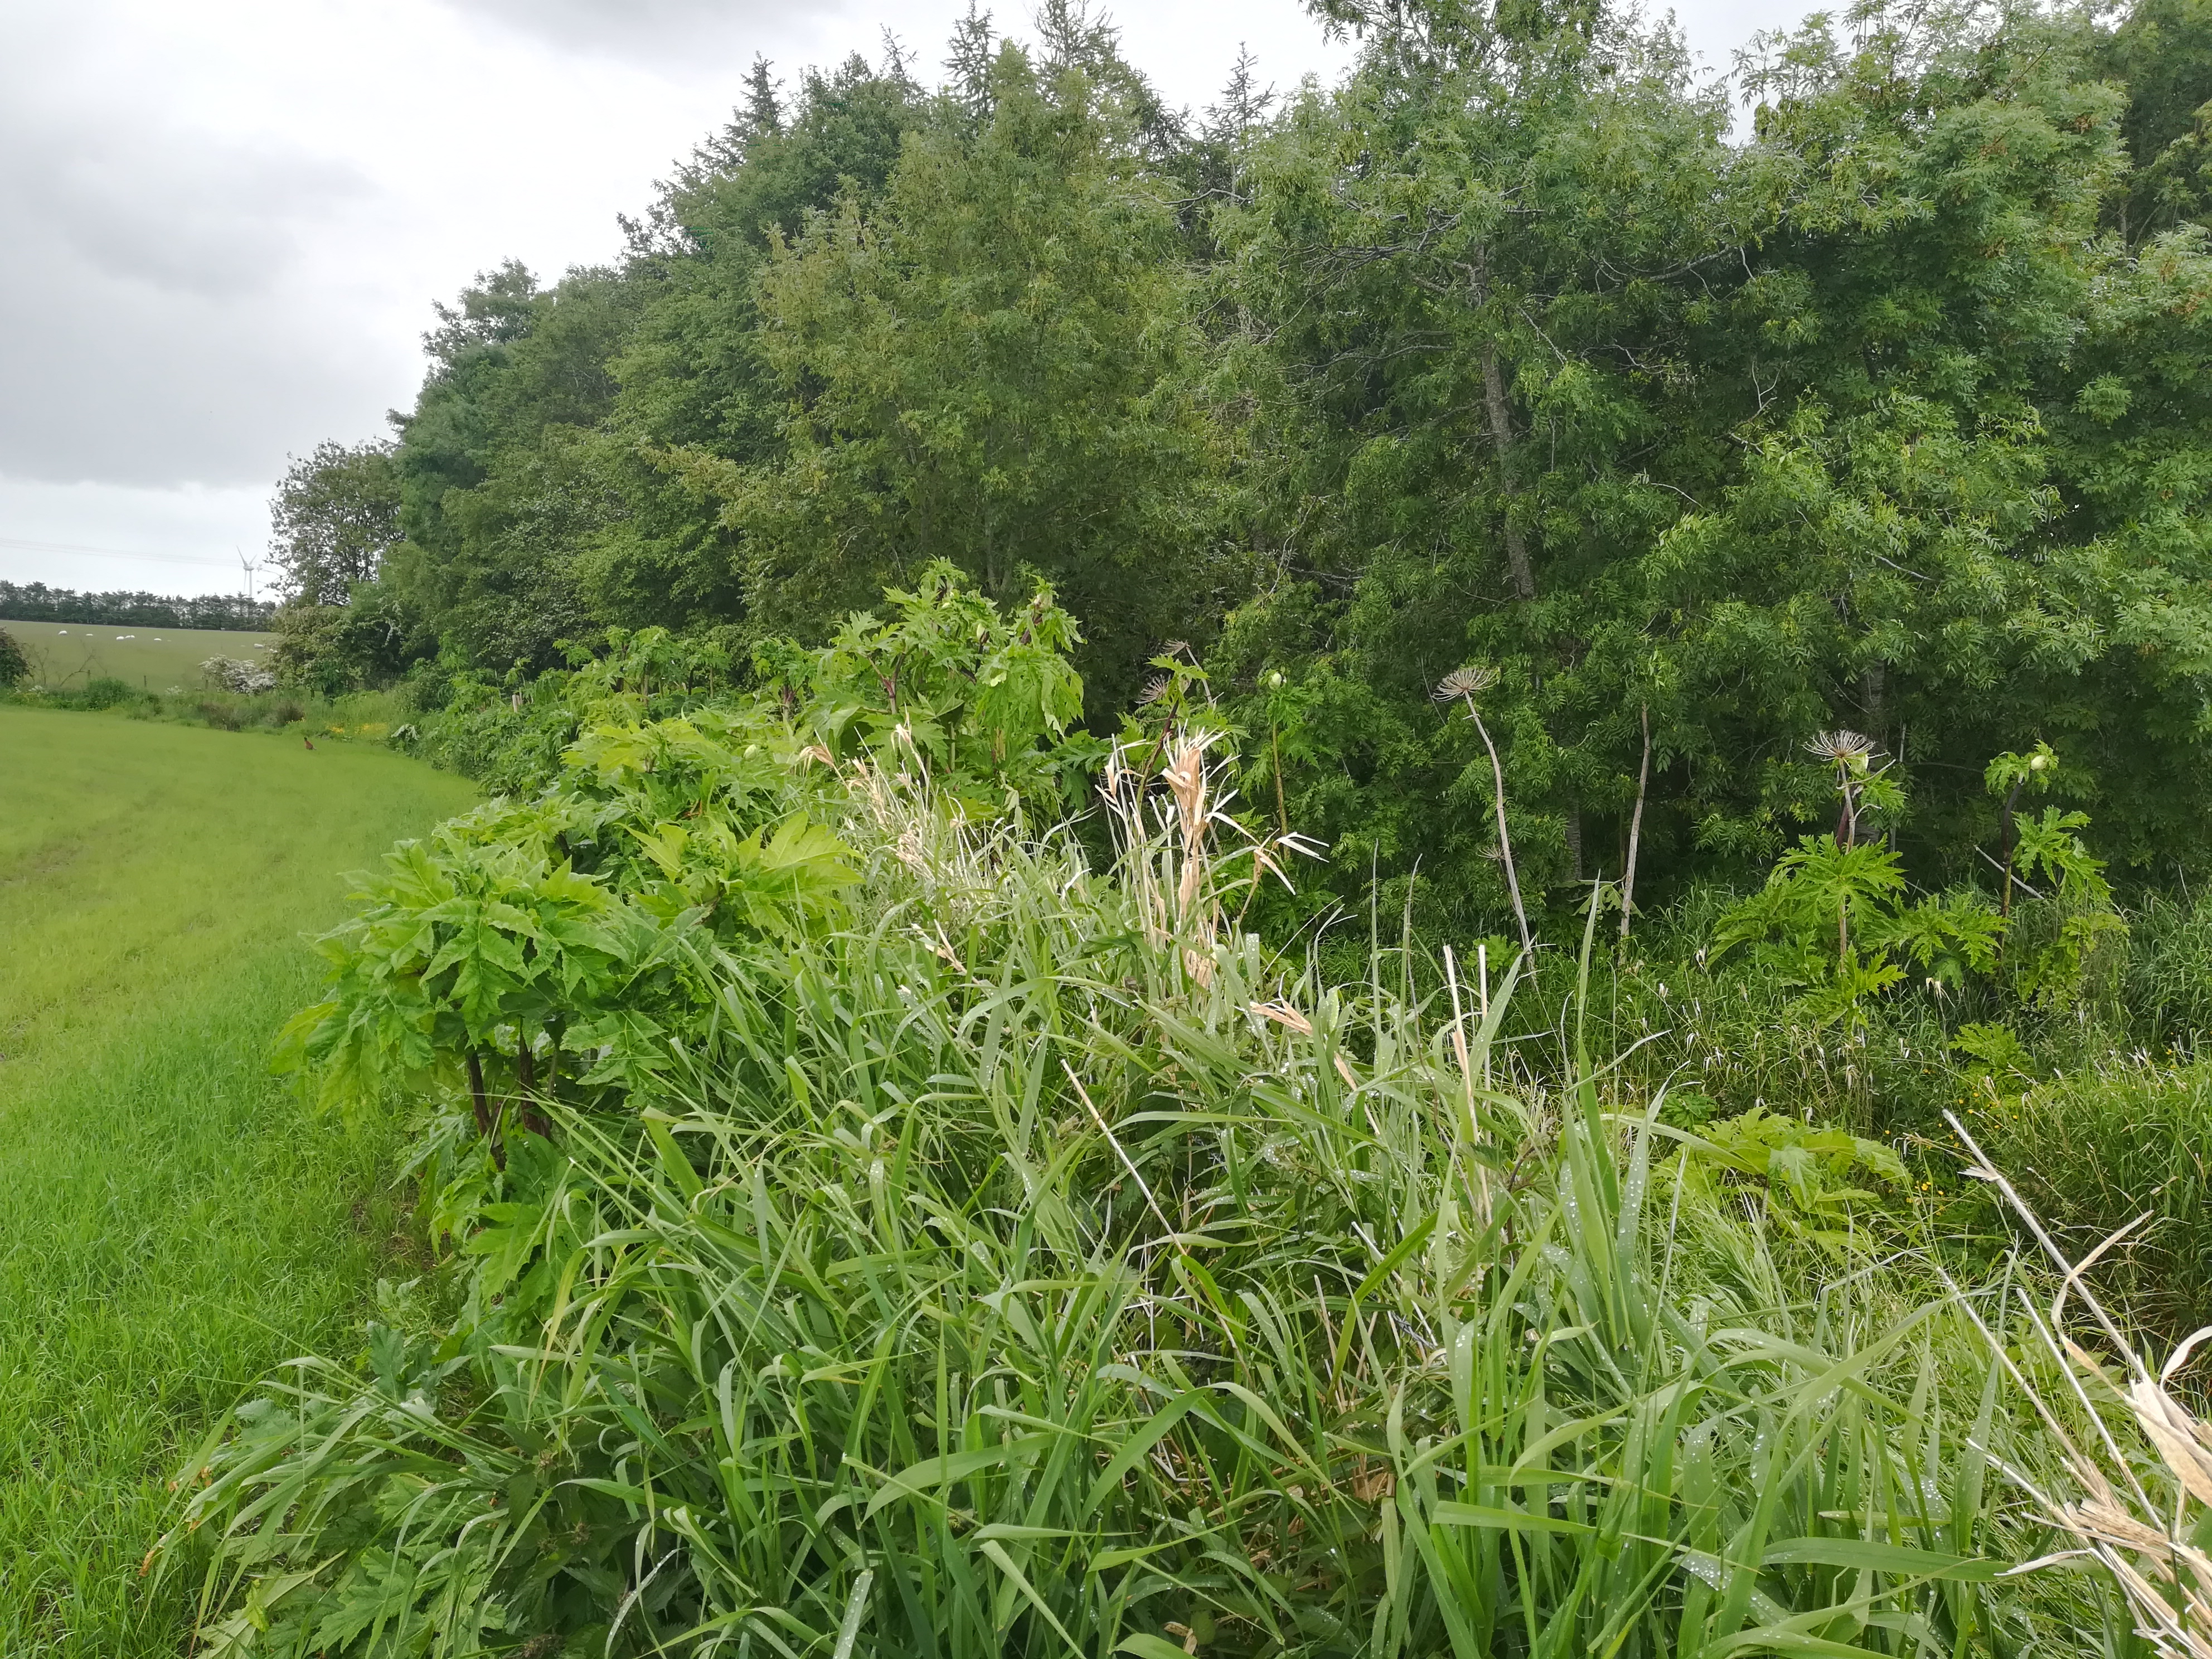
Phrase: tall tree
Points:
(1831, 427)
(990, 366)
(334, 518)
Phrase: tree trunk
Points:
(1501, 440)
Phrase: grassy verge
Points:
(169, 1228)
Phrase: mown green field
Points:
(171, 1224)
(65, 654)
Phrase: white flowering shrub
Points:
(233, 674)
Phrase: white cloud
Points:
(668, 33)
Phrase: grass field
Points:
(171, 1224)
(65, 654)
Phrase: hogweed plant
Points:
(2058, 958)
(1835, 917)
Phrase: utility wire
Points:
(106, 552)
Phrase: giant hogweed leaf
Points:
(793, 878)
(483, 949)
(628, 1048)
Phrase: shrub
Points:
(15, 665)
(106, 692)
(221, 715)
(224, 673)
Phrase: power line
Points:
(106, 552)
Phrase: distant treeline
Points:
(36, 602)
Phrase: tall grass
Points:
(2119, 1144)
(1031, 1265)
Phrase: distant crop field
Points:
(172, 1221)
(65, 654)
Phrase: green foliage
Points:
(510, 732)
(366, 642)
(1998, 1050)
(1833, 915)
(991, 365)
(568, 934)
(984, 699)
(1886, 413)
(2058, 939)
(335, 516)
(1806, 1171)
(1015, 1260)
(1836, 920)
(1850, 425)
(2162, 50)
(15, 666)
(982, 702)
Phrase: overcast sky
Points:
(223, 222)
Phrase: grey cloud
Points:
(144, 337)
(109, 379)
(174, 212)
(709, 35)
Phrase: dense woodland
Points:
(1863, 388)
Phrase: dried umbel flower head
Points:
(1840, 746)
(1471, 681)
(1155, 689)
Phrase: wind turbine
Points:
(249, 568)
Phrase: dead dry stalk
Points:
(1636, 828)
(1176, 861)
(1462, 685)
(2144, 1540)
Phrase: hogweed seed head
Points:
(1468, 682)
(1840, 746)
